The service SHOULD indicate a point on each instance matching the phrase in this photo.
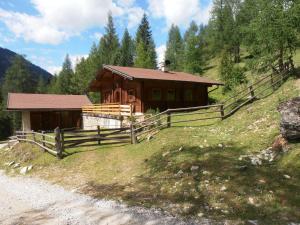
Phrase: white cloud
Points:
(57, 20)
(126, 3)
(75, 59)
(97, 36)
(53, 69)
(179, 12)
(160, 51)
(135, 15)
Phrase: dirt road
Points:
(25, 200)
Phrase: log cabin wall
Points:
(146, 94)
(49, 120)
(172, 94)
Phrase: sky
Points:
(46, 30)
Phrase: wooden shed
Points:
(48, 111)
(151, 89)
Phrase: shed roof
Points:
(150, 74)
(22, 101)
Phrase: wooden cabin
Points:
(151, 89)
(48, 111)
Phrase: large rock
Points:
(290, 119)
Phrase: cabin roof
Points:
(22, 101)
(150, 74)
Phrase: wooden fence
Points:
(61, 139)
(259, 89)
(108, 109)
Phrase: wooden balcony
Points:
(112, 109)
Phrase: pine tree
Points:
(194, 54)
(41, 86)
(126, 50)
(175, 49)
(272, 36)
(19, 80)
(109, 44)
(65, 77)
(80, 80)
(145, 47)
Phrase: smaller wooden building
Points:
(48, 111)
(151, 89)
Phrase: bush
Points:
(232, 75)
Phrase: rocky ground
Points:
(25, 200)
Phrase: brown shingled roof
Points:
(22, 101)
(140, 73)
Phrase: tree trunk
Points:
(237, 57)
(280, 60)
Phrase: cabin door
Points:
(117, 96)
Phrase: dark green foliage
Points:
(232, 75)
(64, 81)
(6, 60)
(145, 47)
(17, 79)
(272, 36)
(109, 44)
(126, 50)
(194, 52)
(175, 49)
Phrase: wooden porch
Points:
(113, 109)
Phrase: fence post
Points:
(222, 111)
(33, 136)
(132, 134)
(43, 140)
(251, 92)
(58, 142)
(168, 119)
(62, 141)
(272, 82)
(99, 138)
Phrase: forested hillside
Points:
(6, 59)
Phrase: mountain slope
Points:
(6, 57)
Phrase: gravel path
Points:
(25, 200)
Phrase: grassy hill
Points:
(191, 169)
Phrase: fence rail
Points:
(108, 109)
(63, 139)
(228, 107)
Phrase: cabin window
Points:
(188, 95)
(131, 95)
(171, 95)
(156, 94)
(106, 97)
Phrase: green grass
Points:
(145, 174)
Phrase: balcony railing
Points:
(108, 109)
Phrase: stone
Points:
(16, 165)
(290, 119)
(280, 144)
(200, 214)
(223, 188)
(205, 172)
(11, 163)
(23, 170)
(180, 149)
(29, 167)
(255, 161)
(251, 200)
(165, 154)
(286, 176)
(194, 168)
(220, 145)
(179, 173)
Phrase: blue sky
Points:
(46, 30)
